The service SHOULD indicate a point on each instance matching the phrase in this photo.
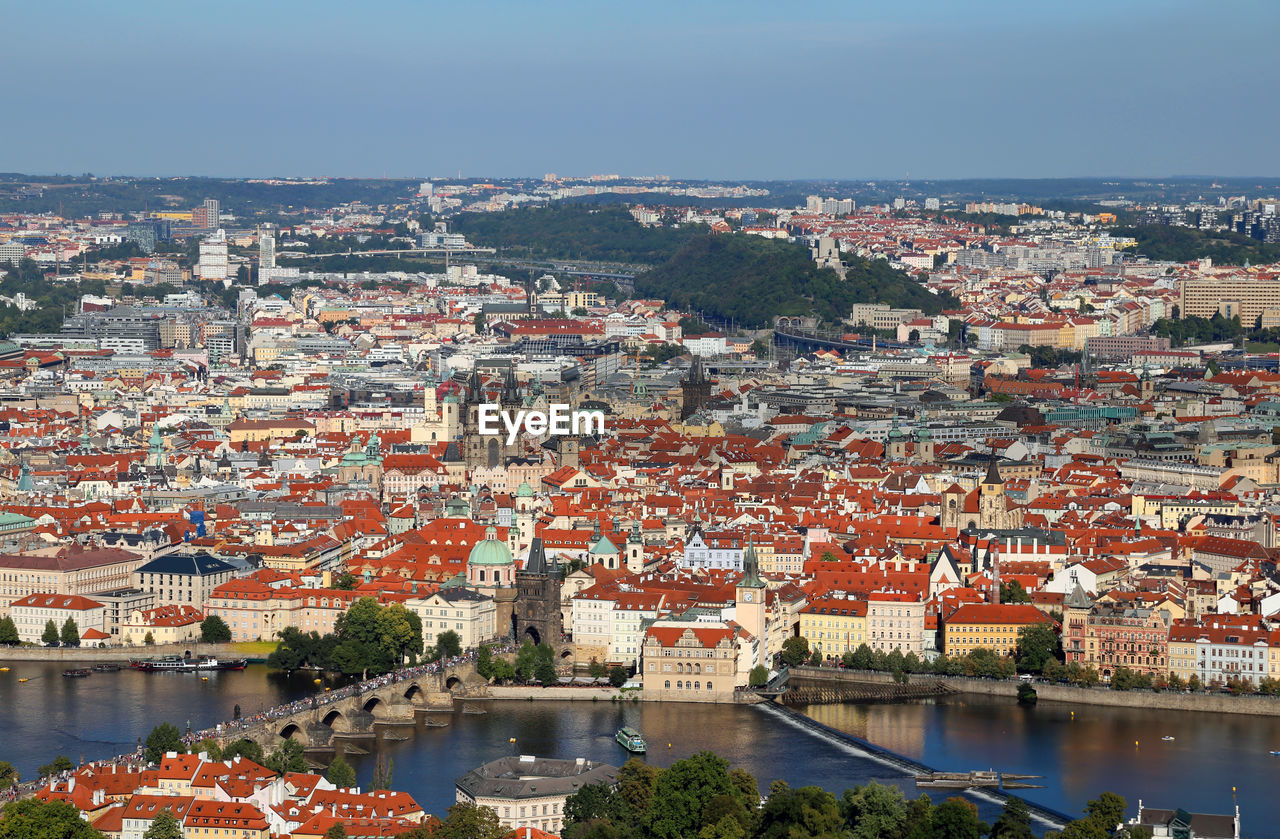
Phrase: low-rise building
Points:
(472, 615)
(32, 614)
(834, 626)
(994, 626)
(528, 791)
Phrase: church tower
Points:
(695, 390)
(750, 604)
(924, 442)
(635, 549)
(991, 501)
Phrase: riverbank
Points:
(125, 654)
(582, 694)
(1215, 703)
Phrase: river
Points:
(105, 714)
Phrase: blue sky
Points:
(724, 90)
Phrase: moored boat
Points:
(631, 740)
(77, 673)
(188, 665)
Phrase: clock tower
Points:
(750, 602)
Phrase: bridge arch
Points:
(452, 683)
(377, 706)
(335, 720)
(293, 731)
(415, 693)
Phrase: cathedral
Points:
(984, 508)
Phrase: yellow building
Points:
(834, 626)
(989, 625)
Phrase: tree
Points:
(683, 792)
(502, 671)
(164, 826)
(149, 639)
(467, 821)
(1013, 592)
(593, 802)
(862, 658)
(50, 635)
(873, 811)
(636, 783)
(758, 677)
(957, 818)
(617, 676)
(32, 819)
(484, 661)
(287, 757)
(245, 748)
(345, 581)
(1106, 811)
(1014, 822)
(1037, 645)
(209, 746)
(336, 832)
(448, 644)
(164, 738)
(8, 632)
(801, 813)
(8, 774)
(759, 348)
(477, 323)
(815, 660)
(61, 763)
(340, 773)
(795, 650)
(214, 630)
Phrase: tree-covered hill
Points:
(750, 280)
(1164, 243)
(573, 231)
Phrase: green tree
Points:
(164, 738)
(636, 783)
(336, 832)
(149, 640)
(61, 763)
(1014, 822)
(802, 813)
(50, 635)
(340, 773)
(214, 630)
(8, 632)
(467, 821)
(759, 348)
(683, 792)
(795, 650)
(484, 661)
(1013, 592)
(245, 748)
(287, 757)
(592, 802)
(957, 818)
(32, 819)
(164, 826)
(873, 811)
(759, 676)
(502, 671)
(1038, 643)
(448, 644)
(8, 775)
(862, 658)
(617, 676)
(345, 581)
(1106, 811)
(815, 660)
(209, 746)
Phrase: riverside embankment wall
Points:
(1218, 703)
(120, 654)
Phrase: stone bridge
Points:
(354, 713)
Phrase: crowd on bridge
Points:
(328, 697)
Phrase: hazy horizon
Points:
(713, 91)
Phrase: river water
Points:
(1080, 756)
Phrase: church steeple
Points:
(993, 471)
(751, 568)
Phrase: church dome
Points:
(525, 491)
(490, 551)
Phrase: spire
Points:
(993, 471)
(750, 568)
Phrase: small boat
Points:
(1273, 751)
(24, 679)
(631, 740)
(4, 669)
(78, 673)
(109, 667)
(1166, 737)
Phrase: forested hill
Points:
(750, 280)
(1182, 244)
(573, 231)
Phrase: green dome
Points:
(490, 551)
(525, 491)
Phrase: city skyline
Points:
(712, 92)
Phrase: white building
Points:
(213, 264)
(895, 621)
(473, 616)
(32, 613)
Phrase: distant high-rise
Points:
(266, 250)
(206, 215)
(213, 263)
